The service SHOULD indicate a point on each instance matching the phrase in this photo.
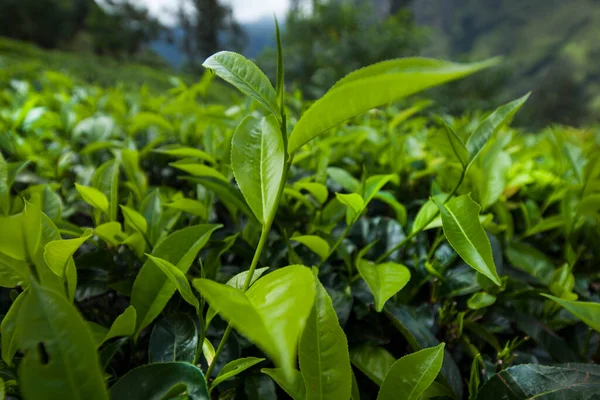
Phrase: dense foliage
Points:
(347, 248)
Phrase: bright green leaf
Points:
(271, 314)
(384, 280)
(235, 367)
(460, 219)
(588, 312)
(93, 197)
(373, 361)
(293, 386)
(411, 375)
(323, 352)
(257, 159)
(57, 253)
(316, 243)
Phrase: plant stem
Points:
(259, 248)
(413, 234)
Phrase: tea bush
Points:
(177, 247)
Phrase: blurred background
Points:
(550, 47)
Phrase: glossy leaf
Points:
(152, 289)
(293, 386)
(190, 206)
(257, 159)
(355, 206)
(371, 87)
(384, 280)
(373, 361)
(323, 352)
(173, 338)
(57, 253)
(492, 125)
(10, 341)
(124, 325)
(106, 180)
(93, 197)
(271, 314)
(588, 312)
(411, 375)
(134, 219)
(178, 278)
(157, 381)
(316, 243)
(481, 300)
(458, 147)
(235, 367)
(245, 76)
(460, 219)
(185, 152)
(200, 170)
(226, 193)
(59, 363)
(529, 381)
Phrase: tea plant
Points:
(343, 250)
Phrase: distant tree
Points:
(208, 26)
(122, 28)
(44, 22)
(339, 36)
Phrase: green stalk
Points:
(261, 242)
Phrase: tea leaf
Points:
(586, 311)
(293, 386)
(124, 325)
(245, 76)
(151, 288)
(58, 363)
(173, 338)
(257, 159)
(235, 367)
(271, 314)
(134, 219)
(411, 375)
(57, 253)
(528, 381)
(93, 197)
(372, 87)
(323, 352)
(157, 381)
(460, 219)
(375, 362)
(491, 125)
(317, 244)
(178, 278)
(384, 280)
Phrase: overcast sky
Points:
(244, 10)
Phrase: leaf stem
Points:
(259, 248)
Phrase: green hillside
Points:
(551, 46)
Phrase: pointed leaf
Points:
(190, 206)
(257, 159)
(373, 361)
(371, 87)
(235, 367)
(134, 219)
(200, 170)
(226, 193)
(588, 312)
(124, 325)
(161, 381)
(271, 314)
(384, 280)
(460, 219)
(532, 381)
(293, 386)
(174, 338)
(93, 197)
(457, 145)
(491, 125)
(323, 352)
(57, 253)
(59, 363)
(411, 375)
(316, 243)
(151, 288)
(245, 76)
(178, 278)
